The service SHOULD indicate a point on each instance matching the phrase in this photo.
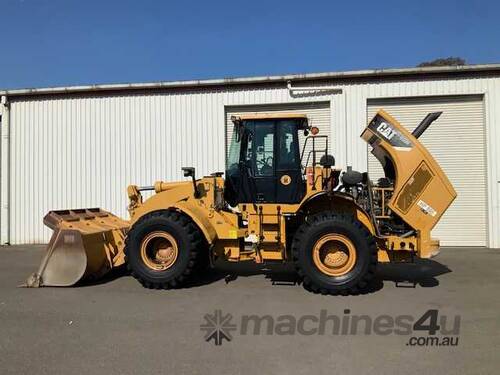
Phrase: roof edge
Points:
(252, 80)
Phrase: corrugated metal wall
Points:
(71, 152)
(83, 151)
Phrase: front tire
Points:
(162, 249)
(334, 254)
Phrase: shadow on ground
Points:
(423, 273)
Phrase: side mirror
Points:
(238, 128)
(188, 171)
(306, 132)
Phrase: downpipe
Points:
(5, 171)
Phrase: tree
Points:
(449, 61)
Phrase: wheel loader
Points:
(277, 203)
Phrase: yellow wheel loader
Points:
(277, 204)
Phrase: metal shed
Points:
(81, 146)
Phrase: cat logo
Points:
(285, 179)
(386, 130)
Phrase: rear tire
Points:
(182, 246)
(351, 258)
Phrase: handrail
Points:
(313, 151)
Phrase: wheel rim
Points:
(334, 254)
(159, 250)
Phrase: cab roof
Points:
(265, 116)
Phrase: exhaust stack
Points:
(422, 127)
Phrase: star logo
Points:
(218, 327)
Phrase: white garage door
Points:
(457, 141)
(318, 114)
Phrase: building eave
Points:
(357, 74)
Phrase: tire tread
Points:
(196, 242)
(301, 237)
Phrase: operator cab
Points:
(264, 163)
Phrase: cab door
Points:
(271, 170)
(260, 161)
(290, 186)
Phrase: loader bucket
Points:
(86, 244)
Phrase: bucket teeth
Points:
(34, 281)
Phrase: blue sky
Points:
(68, 42)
